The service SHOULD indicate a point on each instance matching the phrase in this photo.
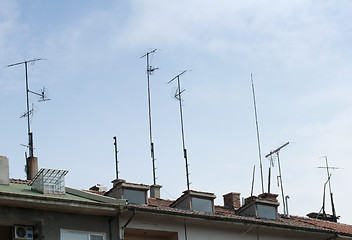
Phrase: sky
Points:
(299, 53)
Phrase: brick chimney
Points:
(232, 200)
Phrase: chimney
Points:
(155, 191)
(99, 188)
(232, 200)
(31, 167)
(4, 170)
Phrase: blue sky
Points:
(298, 51)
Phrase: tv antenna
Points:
(178, 96)
(258, 139)
(42, 96)
(150, 70)
(277, 151)
(116, 161)
(327, 167)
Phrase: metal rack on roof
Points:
(49, 181)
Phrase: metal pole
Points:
(258, 139)
(116, 161)
(182, 131)
(150, 123)
(331, 195)
(286, 199)
(149, 71)
(282, 187)
(30, 136)
(253, 180)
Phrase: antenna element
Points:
(276, 151)
(150, 70)
(334, 217)
(177, 95)
(30, 111)
(258, 139)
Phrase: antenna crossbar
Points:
(277, 151)
(177, 76)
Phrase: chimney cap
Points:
(231, 193)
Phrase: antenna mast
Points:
(29, 112)
(178, 97)
(258, 139)
(276, 151)
(334, 217)
(116, 161)
(150, 70)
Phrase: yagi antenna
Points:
(258, 138)
(30, 111)
(150, 70)
(178, 96)
(276, 151)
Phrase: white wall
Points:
(199, 229)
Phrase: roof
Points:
(222, 213)
(338, 227)
(19, 194)
(19, 181)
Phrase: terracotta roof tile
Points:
(230, 215)
(19, 181)
(155, 202)
(227, 214)
(338, 227)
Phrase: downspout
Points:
(110, 226)
(130, 219)
(126, 224)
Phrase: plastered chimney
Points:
(4, 170)
(155, 191)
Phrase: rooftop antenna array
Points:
(178, 96)
(277, 151)
(258, 139)
(30, 111)
(334, 217)
(150, 70)
(116, 161)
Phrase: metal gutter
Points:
(234, 220)
(57, 204)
